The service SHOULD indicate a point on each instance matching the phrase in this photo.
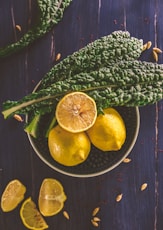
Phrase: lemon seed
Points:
(95, 211)
(94, 223)
(143, 187)
(66, 215)
(126, 160)
(58, 56)
(144, 46)
(155, 55)
(18, 27)
(149, 44)
(119, 197)
(18, 117)
(157, 50)
(96, 219)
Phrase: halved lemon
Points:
(31, 217)
(51, 197)
(12, 195)
(76, 112)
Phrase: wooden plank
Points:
(83, 22)
(159, 128)
(135, 211)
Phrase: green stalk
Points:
(32, 127)
(129, 83)
(50, 126)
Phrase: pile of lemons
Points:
(79, 126)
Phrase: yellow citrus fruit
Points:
(12, 195)
(76, 112)
(109, 131)
(31, 217)
(68, 148)
(51, 197)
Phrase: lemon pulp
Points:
(76, 112)
(31, 217)
(12, 195)
(51, 197)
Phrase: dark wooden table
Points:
(83, 22)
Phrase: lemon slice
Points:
(12, 195)
(51, 197)
(76, 112)
(31, 217)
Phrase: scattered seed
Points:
(18, 27)
(155, 55)
(157, 50)
(149, 44)
(58, 56)
(119, 197)
(95, 211)
(95, 224)
(144, 46)
(66, 215)
(143, 186)
(18, 117)
(126, 160)
(96, 219)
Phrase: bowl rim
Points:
(91, 174)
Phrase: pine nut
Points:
(155, 55)
(94, 223)
(18, 117)
(149, 44)
(119, 197)
(96, 219)
(95, 211)
(18, 27)
(157, 50)
(66, 215)
(144, 46)
(143, 186)
(126, 160)
(58, 56)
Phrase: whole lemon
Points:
(109, 131)
(68, 148)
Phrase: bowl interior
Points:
(98, 162)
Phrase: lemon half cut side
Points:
(12, 195)
(51, 197)
(76, 112)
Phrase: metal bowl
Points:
(98, 162)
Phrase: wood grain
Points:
(83, 22)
